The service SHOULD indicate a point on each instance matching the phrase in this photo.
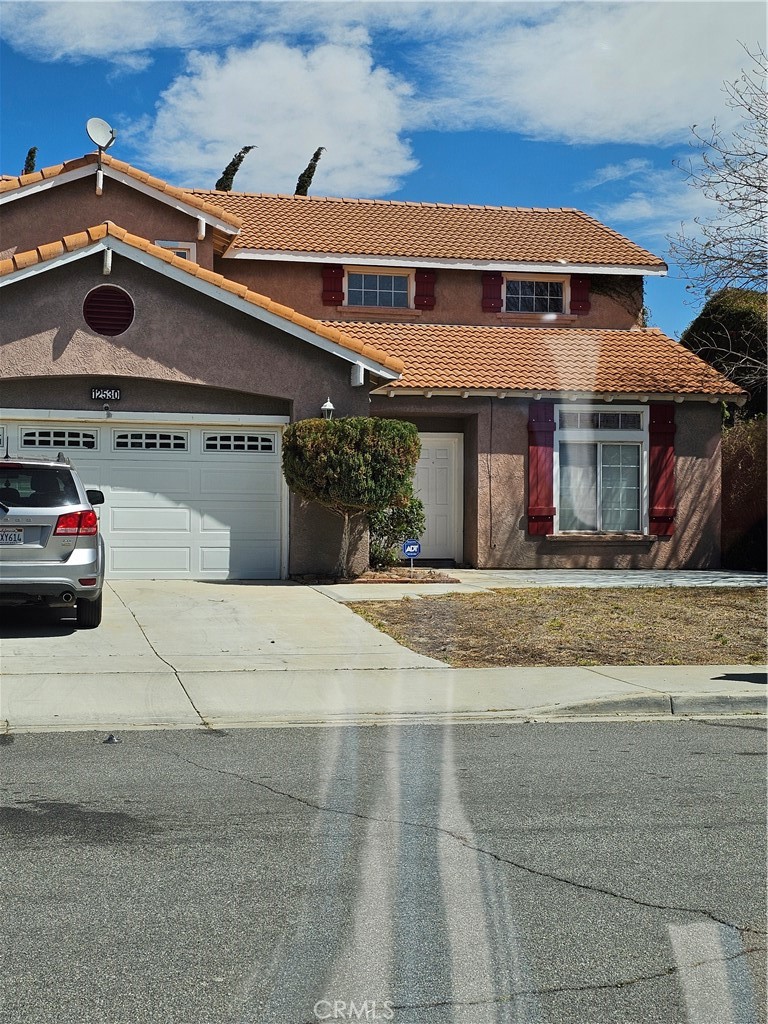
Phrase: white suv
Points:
(51, 551)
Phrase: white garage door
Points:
(182, 501)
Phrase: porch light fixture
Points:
(327, 409)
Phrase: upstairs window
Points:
(184, 250)
(534, 296)
(389, 291)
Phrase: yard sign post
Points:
(411, 549)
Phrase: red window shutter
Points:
(580, 294)
(661, 468)
(541, 439)
(492, 282)
(333, 284)
(425, 289)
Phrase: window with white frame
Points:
(374, 288)
(535, 295)
(601, 471)
(185, 250)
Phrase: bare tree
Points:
(729, 248)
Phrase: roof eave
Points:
(87, 169)
(444, 263)
(563, 396)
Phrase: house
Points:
(163, 338)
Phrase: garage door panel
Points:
(150, 559)
(144, 519)
(258, 480)
(164, 479)
(259, 520)
(256, 562)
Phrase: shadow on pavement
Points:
(18, 622)
(761, 678)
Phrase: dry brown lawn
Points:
(574, 626)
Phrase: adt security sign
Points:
(411, 549)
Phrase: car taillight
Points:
(72, 524)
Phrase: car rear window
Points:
(36, 487)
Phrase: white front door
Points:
(439, 482)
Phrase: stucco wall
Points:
(178, 337)
(458, 295)
(495, 488)
(68, 208)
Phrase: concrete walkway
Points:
(179, 654)
(472, 581)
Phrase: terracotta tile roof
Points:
(542, 359)
(329, 331)
(377, 227)
(205, 206)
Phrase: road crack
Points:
(468, 845)
(558, 989)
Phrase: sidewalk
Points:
(179, 654)
(473, 581)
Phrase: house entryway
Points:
(439, 484)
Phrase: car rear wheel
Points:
(88, 613)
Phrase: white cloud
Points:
(579, 72)
(121, 32)
(286, 101)
(660, 200)
(616, 172)
(596, 72)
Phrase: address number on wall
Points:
(105, 394)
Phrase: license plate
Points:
(11, 537)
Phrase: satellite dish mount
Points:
(103, 135)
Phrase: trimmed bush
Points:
(351, 466)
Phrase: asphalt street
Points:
(549, 873)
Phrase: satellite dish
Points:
(100, 133)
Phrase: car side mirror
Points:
(95, 497)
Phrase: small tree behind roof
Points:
(225, 182)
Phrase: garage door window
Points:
(59, 439)
(151, 440)
(238, 442)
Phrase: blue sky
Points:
(585, 104)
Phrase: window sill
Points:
(537, 319)
(588, 537)
(378, 313)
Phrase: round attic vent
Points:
(108, 310)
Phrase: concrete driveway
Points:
(163, 645)
(180, 654)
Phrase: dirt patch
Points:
(398, 574)
(539, 627)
